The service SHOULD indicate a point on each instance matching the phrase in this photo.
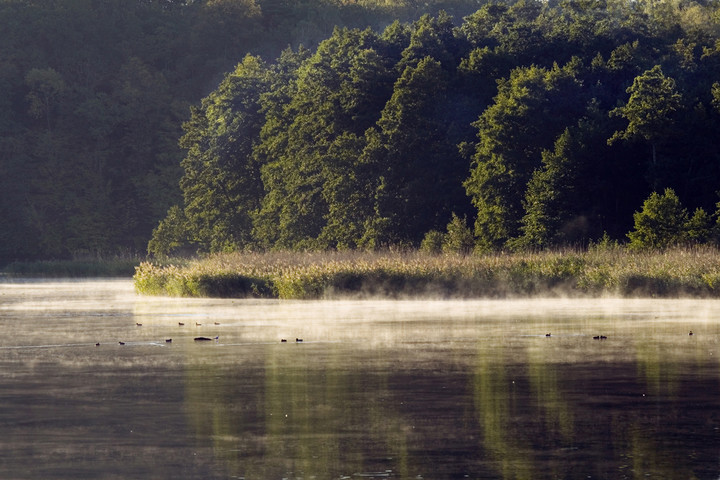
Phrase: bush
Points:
(433, 242)
(459, 238)
(660, 224)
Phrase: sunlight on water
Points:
(98, 382)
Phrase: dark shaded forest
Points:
(93, 95)
(522, 124)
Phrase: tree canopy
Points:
(540, 124)
(532, 124)
(93, 96)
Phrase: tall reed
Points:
(596, 272)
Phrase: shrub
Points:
(459, 238)
(433, 242)
(660, 224)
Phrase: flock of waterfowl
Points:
(202, 339)
(603, 337)
(299, 340)
(169, 340)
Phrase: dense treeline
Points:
(527, 124)
(93, 94)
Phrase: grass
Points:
(598, 272)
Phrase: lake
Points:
(376, 389)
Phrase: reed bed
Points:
(291, 275)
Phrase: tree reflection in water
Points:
(386, 389)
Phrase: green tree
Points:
(661, 223)
(432, 242)
(653, 101)
(431, 37)
(171, 234)
(582, 189)
(310, 171)
(482, 27)
(459, 237)
(716, 95)
(699, 227)
(549, 198)
(221, 184)
(531, 109)
(417, 169)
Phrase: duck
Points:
(181, 324)
(198, 324)
(298, 340)
(282, 340)
(97, 344)
(596, 337)
(121, 343)
(691, 332)
(548, 335)
(168, 340)
(217, 323)
(139, 324)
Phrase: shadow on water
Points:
(377, 389)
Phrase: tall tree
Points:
(653, 101)
(583, 189)
(340, 91)
(221, 184)
(417, 168)
(529, 112)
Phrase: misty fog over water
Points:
(375, 389)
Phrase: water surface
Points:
(376, 389)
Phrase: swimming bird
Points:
(121, 343)
(168, 340)
(603, 337)
(596, 337)
(202, 339)
(181, 324)
(198, 324)
(298, 340)
(97, 344)
(548, 335)
(217, 323)
(690, 332)
(282, 340)
(139, 324)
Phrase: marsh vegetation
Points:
(599, 271)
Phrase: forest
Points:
(223, 125)
(93, 95)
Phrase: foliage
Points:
(93, 95)
(661, 223)
(546, 124)
(529, 112)
(170, 235)
(459, 237)
(359, 146)
(432, 242)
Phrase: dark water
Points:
(387, 389)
